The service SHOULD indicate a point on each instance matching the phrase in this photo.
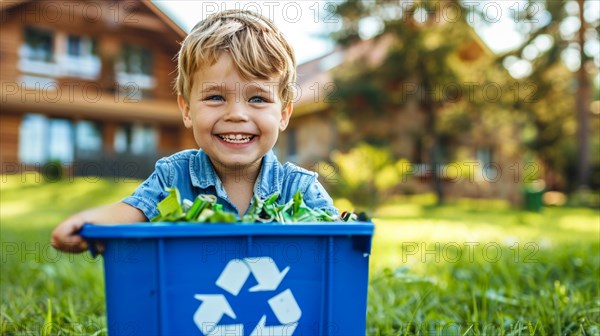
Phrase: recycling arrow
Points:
(264, 269)
(285, 307)
(281, 330)
(234, 276)
(211, 311)
(232, 279)
(266, 273)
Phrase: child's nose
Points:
(236, 112)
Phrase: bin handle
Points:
(362, 243)
(95, 247)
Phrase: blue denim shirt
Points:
(192, 173)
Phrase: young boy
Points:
(234, 89)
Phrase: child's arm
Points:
(65, 236)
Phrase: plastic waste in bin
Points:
(235, 279)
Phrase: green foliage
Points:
(585, 198)
(360, 166)
(558, 104)
(52, 171)
(365, 173)
(362, 99)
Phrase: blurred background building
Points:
(88, 82)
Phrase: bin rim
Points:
(186, 229)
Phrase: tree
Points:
(563, 58)
(428, 39)
(364, 174)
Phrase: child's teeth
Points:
(237, 138)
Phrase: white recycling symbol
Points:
(232, 279)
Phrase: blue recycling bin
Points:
(235, 279)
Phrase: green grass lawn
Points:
(467, 268)
(481, 268)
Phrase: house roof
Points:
(167, 19)
(317, 74)
(24, 100)
(174, 26)
(315, 77)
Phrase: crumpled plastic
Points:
(205, 209)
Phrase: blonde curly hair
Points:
(257, 47)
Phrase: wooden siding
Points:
(10, 41)
(9, 137)
(111, 25)
(315, 138)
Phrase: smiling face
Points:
(235, 121)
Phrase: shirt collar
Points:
(203, 175)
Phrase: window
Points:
(123, 139)
(74, 45)
(292, 144)
(61, 146)
(136, 139)
(134, 72)
(143, 140)
(485, 156)
(42, 139)
(94, 47)
(38, 45)
(32, 137)
(81, 46)
(137, 60)
(79, 59)
(88, 137)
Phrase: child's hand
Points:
(65, 236)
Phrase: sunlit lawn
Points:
(478, 267)
(468, 268)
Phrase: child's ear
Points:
(184, 107)
(286, 114)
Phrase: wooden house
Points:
(86, 83)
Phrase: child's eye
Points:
(214, 98)
(257, 99)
